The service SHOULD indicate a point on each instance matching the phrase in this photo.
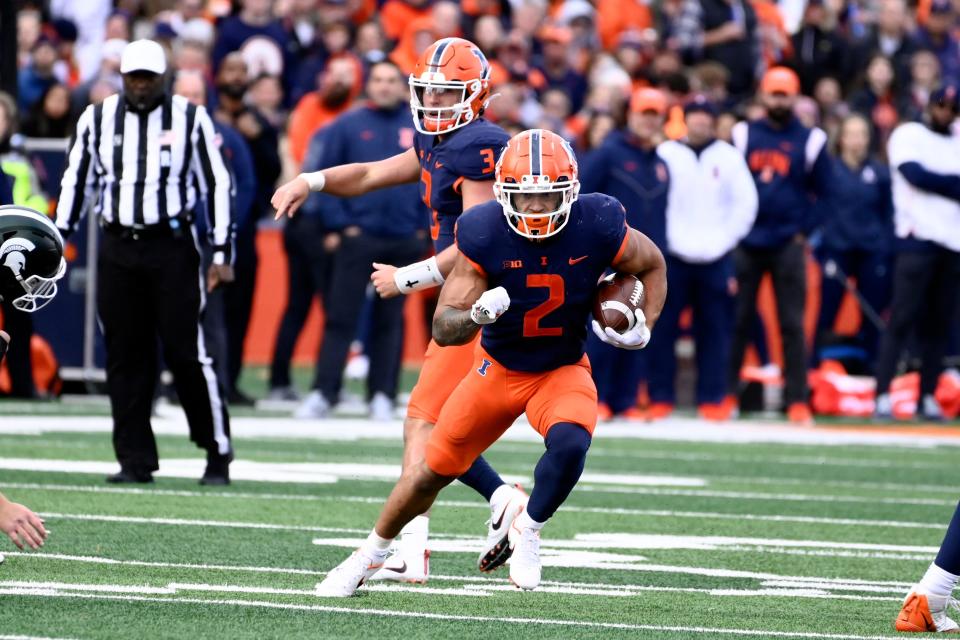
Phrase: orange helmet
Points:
(537, 161)
(450, 64)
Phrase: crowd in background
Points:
(279, 71)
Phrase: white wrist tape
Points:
(419, 275)
(315, 180)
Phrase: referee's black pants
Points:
(344, 304)
(788, 270)
(150, 287)
(925, 298)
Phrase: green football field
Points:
(687, 531)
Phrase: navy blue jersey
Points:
(469, 153)
(551, 283)
(860, 209)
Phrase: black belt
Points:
(169, 228)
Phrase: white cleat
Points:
(381, 407)
(344, 580)
(314, 407)
(497, 548)
(403, 568)
(525, 560)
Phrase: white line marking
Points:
(658, 513)
(4, 637)
(457, 618)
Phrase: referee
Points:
(142, 153)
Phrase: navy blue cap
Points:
(946, 96)
(941, 6)
(701, 104)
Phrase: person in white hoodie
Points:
(711, 206)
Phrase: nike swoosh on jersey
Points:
(573, 261)
(437, 165)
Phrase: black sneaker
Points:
(128, 475)
(217, 473)
(237, 398)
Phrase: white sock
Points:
(524, 521)
(413, 537)
(937, 582)
(375, 546)
(503, 493)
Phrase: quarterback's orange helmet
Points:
(537, 161)
(450, 64)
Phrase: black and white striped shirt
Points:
(138, 170)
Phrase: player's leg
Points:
(875, 282)
(925, 608)
(938, 315)
(831, 295)
(479, 412)
(561, 408)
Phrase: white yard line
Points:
(640, 491)
(456, 618)
(674, 429)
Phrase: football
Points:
(618, 296)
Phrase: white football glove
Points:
(635, 338)
(490, 306)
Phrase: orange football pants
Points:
(443, 369)
(491, 397)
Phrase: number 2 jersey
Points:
(551, 282)
(469, 153)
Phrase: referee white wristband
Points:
(419, 275)
(315, 180)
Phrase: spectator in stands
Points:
(34, 80)
(924, 80)
(256, 34)
(108, 73)
(877, 99)
(937, 36)
(925, 165)
(891, 38)
(52, 118)
(262, 138)
(818, 49)
(265, 94)
(387, 226)
(371, 45)
(627, 167)
(446, 18)
(857, 237)
(395, 15)
(337, 87)
(599, 126)
(555, 65)
(829, 96)
(723, 31)
(488, 33)
(711, 206)
(789, 162)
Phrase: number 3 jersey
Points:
(551, 282)
(469, 153)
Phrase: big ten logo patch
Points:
(484, 366)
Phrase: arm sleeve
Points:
(946, 185)
(214, 180)
(76, 187)
(743, 198)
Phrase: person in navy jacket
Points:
(792, 170)
(857, 235)
(627, 167)
(383, 226)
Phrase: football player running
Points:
(31, 262)
(453, 157)
(525, 277)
